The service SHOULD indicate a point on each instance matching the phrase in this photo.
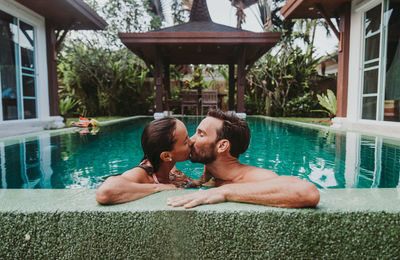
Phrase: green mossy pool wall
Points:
(69, 224)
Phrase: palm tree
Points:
(180, 9)
(265, 14)
(240, 5)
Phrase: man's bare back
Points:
(247, 173)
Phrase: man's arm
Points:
(280, 191)
(131, 185)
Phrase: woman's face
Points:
(181, 149)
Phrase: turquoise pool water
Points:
(326, 158)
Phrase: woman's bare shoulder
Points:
(138, 175)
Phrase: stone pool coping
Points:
(348, 223)
(332, 200)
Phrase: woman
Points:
(164, 141)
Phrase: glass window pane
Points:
(8, 68)
(370, 81)
(29, 108)
(26, 42)
(372, 47)
(392, 88)
(28, 84)
(373, 20)
(27, 58)
(369, 108)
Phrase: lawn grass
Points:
(99, 118)
(309, 120)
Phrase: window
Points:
(17, 68)
(371, 61)
(381, 62)
(392, 63)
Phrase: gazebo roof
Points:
(62, 13)
(200, 41)
(199, 47)
(200, 26)
(298, 9)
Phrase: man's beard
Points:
(205, 156)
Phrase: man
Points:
(219, 140)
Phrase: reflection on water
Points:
(328, 159)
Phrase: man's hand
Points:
(200, 197)
(162, 187)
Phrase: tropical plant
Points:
(328, 102)
(181, 10)
(106, 82)
(66, 105)
(302, 106)
(279, 81)
(279, 77)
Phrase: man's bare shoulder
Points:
(252, 174)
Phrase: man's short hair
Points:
(234, 129)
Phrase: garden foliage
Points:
(281, 83)
(105, 82)
(99, 73)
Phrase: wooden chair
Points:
(190, 98)
(209, 98)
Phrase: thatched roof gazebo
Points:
(200, 41)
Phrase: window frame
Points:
(381, 88)
(378, 95)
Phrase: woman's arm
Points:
(131, 185)
(206, 179)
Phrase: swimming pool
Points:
(328, 159)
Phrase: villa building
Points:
(30, 33)
(368, 88)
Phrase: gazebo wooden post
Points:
(241, 82)
(159, 87)
(167, 85)
(231, 93)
